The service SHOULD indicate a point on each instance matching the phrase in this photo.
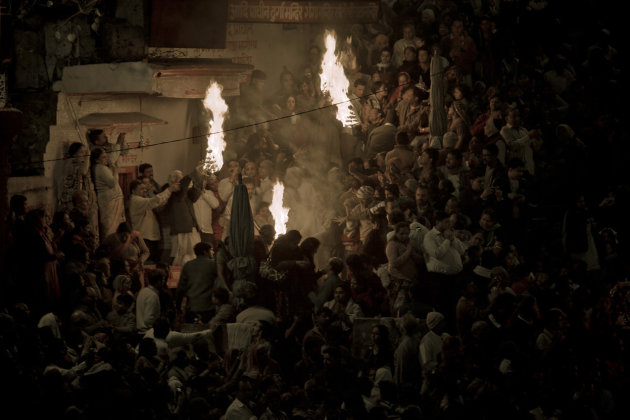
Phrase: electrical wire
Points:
(140, 146)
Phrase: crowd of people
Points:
(475, 271)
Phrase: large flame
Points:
(214, 152)
(335, 83)
(278, 211)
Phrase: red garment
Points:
(50, 270)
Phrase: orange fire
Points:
(214, 103)
(335, 83)
(278, 211)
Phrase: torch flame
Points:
(214, 152)
(280, 214)
(334, 82)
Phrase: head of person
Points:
(123, 231)
(423, 55)
(403, 79)
(258, 79)
(435, 322)
(342, 293)
(77, 151)
(220, 296)
(428, 157)
(360, 86)
(380, 334)
(175, 176)
(409, 54)
(401, 232)
(290, 103)
(293, 237)
(314, 54)
(386, 55)
(513, 118)
(265, 169)
(453, 159)
(156, 277)
(97, 137)
(286, 80)
(409, 325)
(331, 357)
(202, 249)
(423, 194)
(98, 157)
(267, 233)
(250, 184)
(146, 169)
(138, 187)
(245, 392)
(310, 246)
(335, 264)
(322, 318)
(488, 219)
(490, 155)
(441, 220)
(428, 17)
(457, 27)
(124, 302)
(495, 103)
(365, 195)
(402, 138)
(380, 90)
(234, 167)
(62, 222)
(17, 205)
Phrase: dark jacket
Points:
(196, 282)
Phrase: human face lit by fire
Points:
(291, 103)
(101, 139)
(382, 92)
(103, 159)
(486, 222)
(386, 57)
(423, 56)
(452, 162)
(422, 195)
(341, 296)
(251, 190)
(234, 167)
(408, 33)
(250, 169)
(359, 90)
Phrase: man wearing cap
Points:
(431, 343)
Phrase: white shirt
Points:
(445, 256)
(147, 308)
(175, 339)
(430, 348)
(203, 210)
(226, 189)
(141, 214)
(238, 411)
